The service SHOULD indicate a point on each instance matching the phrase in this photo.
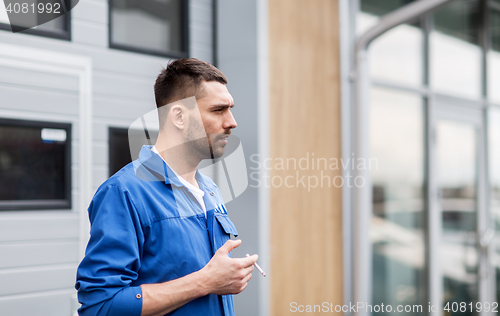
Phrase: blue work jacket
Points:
(146, 227)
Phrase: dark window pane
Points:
(123, 143)
(377, 7)
(494, 59)
(495, 30)
(460, 19)
(148, 25)
(119, 152)
(34, 164)
(54, 24)
(455, 56)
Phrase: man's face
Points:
(218, 121)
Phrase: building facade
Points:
(373, 183)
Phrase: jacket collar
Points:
(155, 165)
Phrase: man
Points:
(159, 240)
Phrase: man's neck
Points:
(181, 163)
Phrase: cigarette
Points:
(258, 267)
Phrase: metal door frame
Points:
(442, 107)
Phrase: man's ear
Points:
(178, 116)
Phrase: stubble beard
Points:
(203, 147)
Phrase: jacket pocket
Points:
(226, 224)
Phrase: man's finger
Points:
(248, 261)
(230, 245)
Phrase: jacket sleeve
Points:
(113, 257)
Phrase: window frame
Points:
(64, 35)
(130, 48)
(33, 205)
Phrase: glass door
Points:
(461, 254)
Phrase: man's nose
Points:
(229, 121)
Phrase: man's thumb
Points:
(230, 245)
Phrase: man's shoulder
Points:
(127, 178)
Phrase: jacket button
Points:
(138, 296)
(212, 194)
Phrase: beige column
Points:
(306, 223)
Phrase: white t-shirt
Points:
(197, 193)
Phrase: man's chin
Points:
(218, 152)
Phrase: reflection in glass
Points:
(150, 25)
(456, 152)
(397, 55)
(396, 232)
(379, 8)
(494, 175)
(33, 166)
(371, 10)
(364, 22)
(454, 51)
(494, 59)
(57, 25)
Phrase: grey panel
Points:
(93, 34)
(38, 79)
(75, 158)
(41, 305)
(100, 131)
(201, 30)
(201, 14)
(14, 98)
(122, 109)
(91, 11)
(237, 58)
(38, 228)
(205, 4)
(33, 254)
(199, 51)
(100, 154)
(35, 280)
(202, 33)
(99, 175)
(123, 86)
(114, 61)
(75, 179)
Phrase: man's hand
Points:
(224, 275)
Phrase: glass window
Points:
(457, 174)
(396, 232)
(35, 163)
(454, 51)
(494, 58)
(371, 10)
(119, 152)
(149, 26)
(494, 175)
(397, 55)
(123, 143)
(55, 24)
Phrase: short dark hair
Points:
(182, 79)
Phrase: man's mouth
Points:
(223, 139)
